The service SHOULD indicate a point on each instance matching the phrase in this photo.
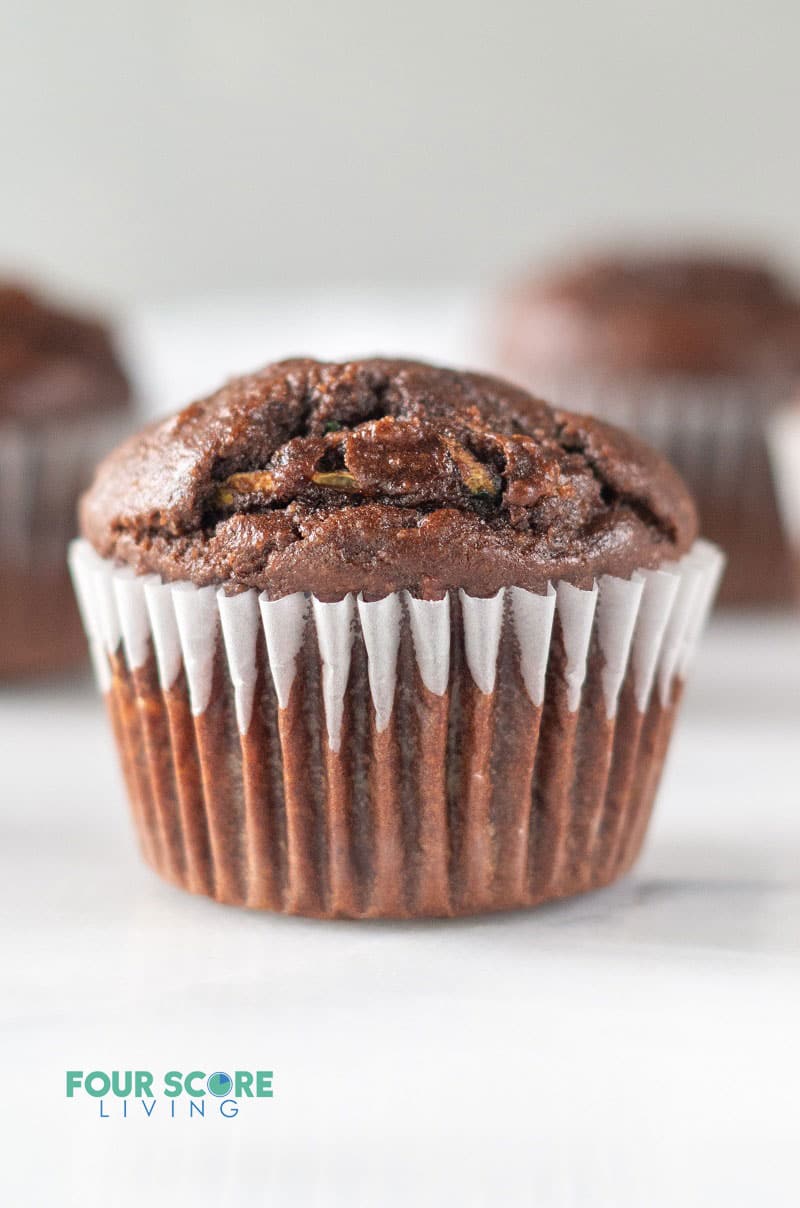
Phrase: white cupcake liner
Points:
(653, 619)
(784, 446)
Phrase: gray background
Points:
(160, 149)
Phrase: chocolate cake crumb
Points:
(379, 475)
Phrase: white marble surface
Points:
(638, 1046)
(635, 1046)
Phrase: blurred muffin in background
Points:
(695, 353)
(63, 399)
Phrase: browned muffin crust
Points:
(53, 363)
(379, 475)
(693, 314)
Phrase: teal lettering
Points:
(172, 1084)
(121, 1083)
(74, 1080)
(243, 1083)
(191, 1079)
(144, 1084)
(97, 1084)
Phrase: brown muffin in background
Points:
(63, 395)
(692, 352)
(379, 639)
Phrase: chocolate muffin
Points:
(694, 353)
(62, 394)
(380, 639)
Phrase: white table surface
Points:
(637, 1046)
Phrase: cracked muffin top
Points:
(666, 313)
(54, 363)
(378, 475)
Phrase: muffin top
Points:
(657, 313)
(53, 363)
(378, 475)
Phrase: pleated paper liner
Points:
(42, 471)
(402, 758)
(714, 431)
(784, 447)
